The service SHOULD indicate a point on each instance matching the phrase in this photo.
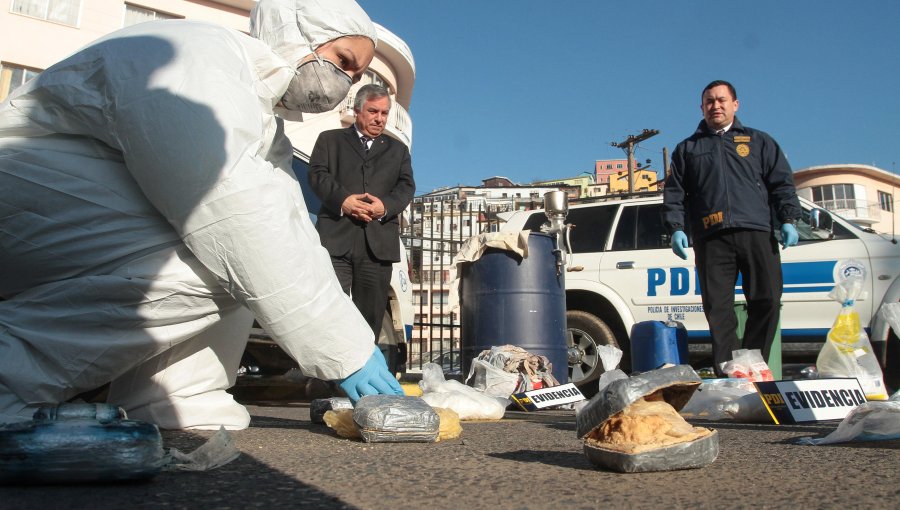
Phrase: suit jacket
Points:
(339, 167)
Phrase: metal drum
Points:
(506, 299)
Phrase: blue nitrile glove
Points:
(789, 235)
(680, 244)
(373, 378)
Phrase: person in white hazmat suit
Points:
(148, 211)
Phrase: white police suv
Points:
(621, 271)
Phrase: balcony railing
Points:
(399, 122)
(853, 209)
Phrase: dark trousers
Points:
(720, 257)
(366, 280)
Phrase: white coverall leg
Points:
(146, 202)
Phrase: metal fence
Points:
(436, 229)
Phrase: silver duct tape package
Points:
(396, 419)
(632, 425)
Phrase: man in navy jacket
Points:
(731, 186)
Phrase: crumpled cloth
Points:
(474, 247)
(516, 360)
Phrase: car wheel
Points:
(584, 332)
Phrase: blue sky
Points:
(537, 90)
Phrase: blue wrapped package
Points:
(72, 443)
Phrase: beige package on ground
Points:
(633, 425)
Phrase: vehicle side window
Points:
(536, 221)
(592, 226)
(626, 230)
(651, 233)
(807, 234)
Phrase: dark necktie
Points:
(365, 141)
(720, 132)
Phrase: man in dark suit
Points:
(365, 181)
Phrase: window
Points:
(618, 165)
(609, 166)
(441, 297)
(420, 298)
(834, 196)
(59, 11)
(592, 225)
(376, 79)
(13, 76)
(885, 201)
(626, 230)
(135, 15)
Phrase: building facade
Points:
(863, 194)
(604, 168)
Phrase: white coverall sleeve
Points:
(196, 142)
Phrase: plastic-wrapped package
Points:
(396, 419)
(871, 421)
(319, 406)
(748, 364)
(727, 399)
(492, 380)
(466, 401)
(632, 425)
(847, 351)
(70, 443)
(341, 420)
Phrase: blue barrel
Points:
(655, 343)
(506, 299)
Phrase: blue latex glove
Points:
(680, 244)
(789, 235)
(372, 379)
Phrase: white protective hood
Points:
(294, 29)
(146, 189)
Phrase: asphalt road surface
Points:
(525, 460)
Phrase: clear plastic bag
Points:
(871, 421)
(847, 351)
(466, 401)
(727, 399)
(748, 364)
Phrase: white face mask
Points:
(317, 86)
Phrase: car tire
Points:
(584, 332)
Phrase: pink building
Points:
(603, 168)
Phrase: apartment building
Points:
(863, 194)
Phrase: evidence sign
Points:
(547, 397)
(811, 400)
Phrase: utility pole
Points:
(665, 162)
(628, 146)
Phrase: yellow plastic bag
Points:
(847, 351)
